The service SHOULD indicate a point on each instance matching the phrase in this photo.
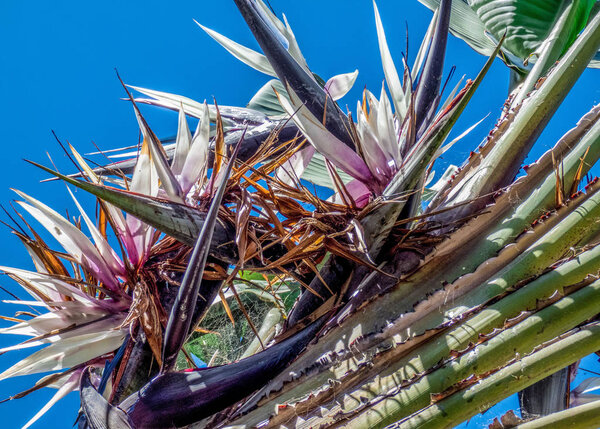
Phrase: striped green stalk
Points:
(459, 337)
(581, 417)
(500, 227)
(507, 381)
(510, 344)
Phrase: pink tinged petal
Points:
(159, 159)
(182, 144)
(339, 85)
(388, 139)
(389, 69)
(49, 285)
(374, 157)
(141, 240)
(67, 353)
(143, 181)
(107, 253)
(54, 305)
(90, 324)
(70, 384)
(291, 171)
(195, 162)
(326, 143)
(72, 240)
(115, 214)
(358, 191)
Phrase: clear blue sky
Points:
(57, 63)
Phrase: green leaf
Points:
(316, 173)
(177, 220)
(528, 22)
(265, 100)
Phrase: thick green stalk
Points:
(581, 417)
(522, 373)
(490, 318)
(487, 235)
(510, 344)
(437, 309)
(477, 288)
(395, 370)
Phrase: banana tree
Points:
(418, 306)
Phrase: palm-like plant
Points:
(418, 306)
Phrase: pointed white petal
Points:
(49, 285)
(452, 94)
(115, 214)
(71, 384)
(37, 262)
(374, 156)
(326, 143)
(71, 238)
(87, 323)
(389, 69)
(60, 319)
(182, 144)
(107, 253)
(284, 28)
(159, 159)
(388, 140)
(195, 163)
(421, 55)
(246, 55)
(67, 353)
(339, 85)
(293, 48)
(444, 148)
(144, 181)
(291, 171)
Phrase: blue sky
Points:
(57, 73)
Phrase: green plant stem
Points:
(504, 222)
(489, 355)
(516, 376)
(582, 417)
